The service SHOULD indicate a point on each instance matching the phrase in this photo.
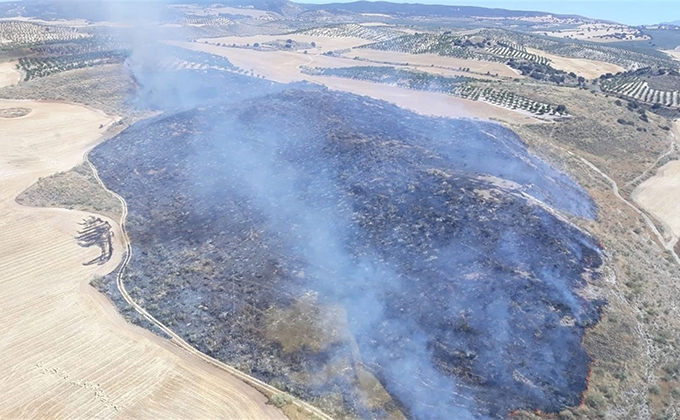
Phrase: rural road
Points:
(668, 246)
(175, 338)
(67, 353)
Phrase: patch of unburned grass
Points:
(76, 189)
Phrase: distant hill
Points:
(96, 10)
(407, 9)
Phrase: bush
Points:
(595, 400)
(281, 400)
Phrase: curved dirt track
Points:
(660, 194)
(66, 352)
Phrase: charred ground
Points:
(322, 241)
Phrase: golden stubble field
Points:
(66, 352)
(9, 75)
(285, 67)
(590, 69)
(660, 194)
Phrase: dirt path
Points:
(67, 353)
(667, 245)
(660, 194)
(268, 389)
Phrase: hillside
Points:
(363, 210)
(384, 238)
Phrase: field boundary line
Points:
(174, 337)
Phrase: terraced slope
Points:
(637, 88)
(66, 353)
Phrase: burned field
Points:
(362, 257)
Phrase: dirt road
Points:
(660, 194)
(67, 353)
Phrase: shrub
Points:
(595, 400)
(281, 400)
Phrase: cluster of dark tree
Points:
(644, 72)
(465, 42)
(546, 73)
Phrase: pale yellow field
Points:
(9, 75)
(217, 10)
(599, 32)
(433, 59)
(674, 54)
(590, 69)
(73, 23)
(284, 67)
(660, 194)
(323, 43)
(66, 352)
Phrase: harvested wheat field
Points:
(476, 66)
(323, 44)
(67, 353)
(284, 67)
(9, 75)
(590, 69)
(660, 196)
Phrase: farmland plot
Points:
(69, 354)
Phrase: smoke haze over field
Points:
(461, 295)
(454, 305)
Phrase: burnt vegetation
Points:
(323, 241)
(96, 232)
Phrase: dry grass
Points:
(105, 87)
(306, 326)
(619, 150)
(76, 189)
(636, 341)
